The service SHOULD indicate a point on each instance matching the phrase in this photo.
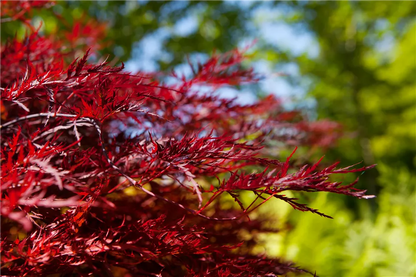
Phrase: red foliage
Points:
(19, 9)
(75, 136)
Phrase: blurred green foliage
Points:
(363, 77)
(380, 246)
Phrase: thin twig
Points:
(23, 118)
(6, 19)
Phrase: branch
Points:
(7, 124)
(137, 184)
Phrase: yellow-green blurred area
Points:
(361, 73)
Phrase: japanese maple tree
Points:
(106, 171)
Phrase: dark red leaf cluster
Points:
(104, 171)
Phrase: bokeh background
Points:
(350, 62)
